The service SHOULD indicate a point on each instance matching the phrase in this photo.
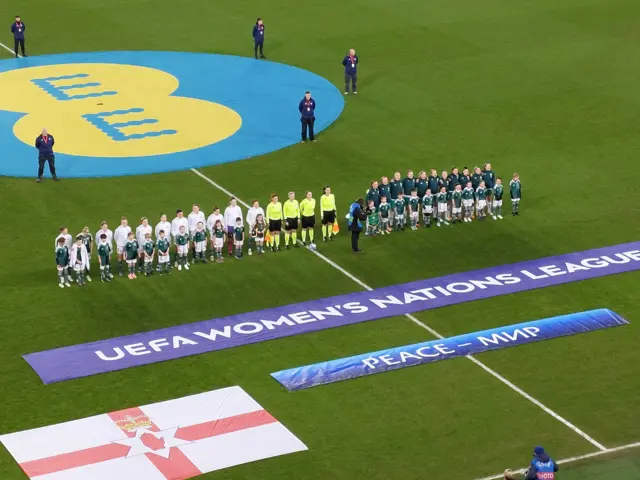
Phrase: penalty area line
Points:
(564, 461)
(424, 326)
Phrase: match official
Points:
(328, 210)
(44, 144)
(308, 217)
(17, 28)
(357, 215)
(258, 38)
(350, 63)
(307, 108)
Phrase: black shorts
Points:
(275, 225)
(308, 222)
(291, 224)
(328, 218)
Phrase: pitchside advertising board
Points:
(227, 332)
(446, 348)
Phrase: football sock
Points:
(286, 238)
(304, 236)
(277, 238)
(311, 235)
(294, 237)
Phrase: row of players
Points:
(460, 205)
(449, 197)
(137, 250)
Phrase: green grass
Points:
(545, 88)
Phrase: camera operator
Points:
(357, 215)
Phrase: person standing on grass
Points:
(274, 222)
(307, 108)
(121, 236)
(328, 210)
(163, 226)
(350, 63)
(196, 216)
(17, 28)
(252, 215)
(291, 211)
(44, 144)
(211, 225)
(176, 223)
(258, 38)
(357, 215)
(232, 212)
(308, 217)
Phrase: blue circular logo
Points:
(127, 113)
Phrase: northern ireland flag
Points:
(169, 440)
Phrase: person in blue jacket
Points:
(44, 144)
(17, 28)
(307, 108)
(356, 218)
(258, 38)
(350, 63)
(542, 466)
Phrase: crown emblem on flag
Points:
(131, 424)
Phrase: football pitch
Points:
(544, 88)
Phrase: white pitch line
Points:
(480, 364)
(9, 50)
(492, 372)
(564, 461)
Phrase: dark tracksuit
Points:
(18, 37)
(45, 154)
(350, 73)
(373, 194)
(307, 111)
(258, 39)
(356, 225)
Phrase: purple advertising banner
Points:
(209, 335)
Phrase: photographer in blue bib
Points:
(542, 467)
(356, 218)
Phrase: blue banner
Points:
(179, 341)
(436, 350)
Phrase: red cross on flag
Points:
(169, 440)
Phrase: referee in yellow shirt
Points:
(274, 221)
(308, 217)
(328, 209)
(291, 211)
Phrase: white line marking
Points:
(9, 50)
(591, 440)
(493, 373)
(500, 476)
